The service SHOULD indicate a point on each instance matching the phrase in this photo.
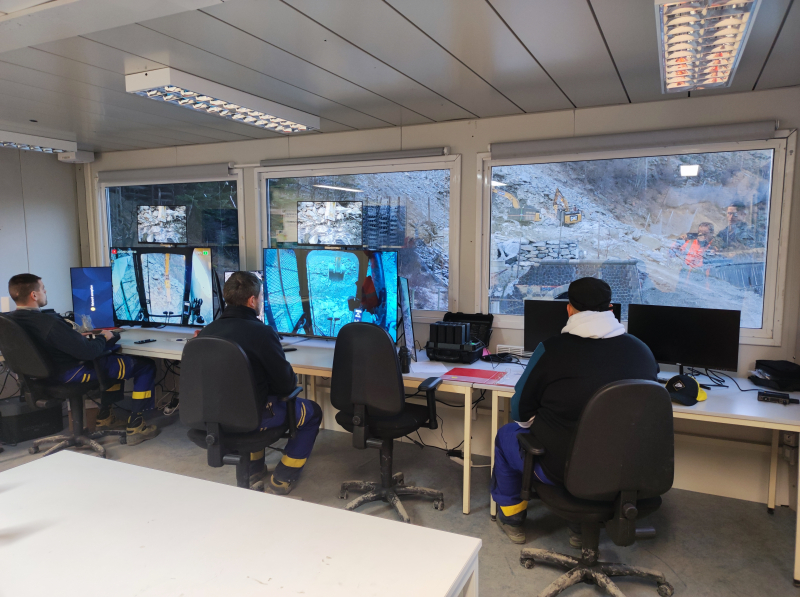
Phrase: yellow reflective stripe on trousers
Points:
(293, 462)
(511, 510)
(141, 395)
(302, 415)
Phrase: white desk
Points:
(218, 540)
(727, 406)
(313, 358)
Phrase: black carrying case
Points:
(783, 375)
(20, 423)
(480, 330)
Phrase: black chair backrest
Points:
(217, 386)
(366, 371)
(22, 354)
(624, 442)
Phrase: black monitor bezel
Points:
(400, 294)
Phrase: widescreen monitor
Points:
(259, 275)
(92, 297)
(688, 336)
(162, 285)
(405, 312)
(161, 224)
(330, 223)
(545, 319)
(316, 292)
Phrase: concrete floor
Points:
(705, 545)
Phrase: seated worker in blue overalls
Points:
(67, 348)
(274, 377)
(562, 375)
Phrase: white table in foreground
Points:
(184, 536)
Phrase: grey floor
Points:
(705, 545)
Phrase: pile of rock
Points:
(548, 250)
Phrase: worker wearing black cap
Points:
(562, 375)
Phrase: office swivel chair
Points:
(35, 372)
(367, 389)
(620, 463)
(218, 403)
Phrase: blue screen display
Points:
(316, 292)
(92, 296)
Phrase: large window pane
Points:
(404, 211)
(683, 230)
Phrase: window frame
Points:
(446, 162)
(777, 238)
(99, 243)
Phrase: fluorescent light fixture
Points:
(701, 41)
(691, 170)
(33, 143)
(496, 183)
(201, 95)
(325, 186)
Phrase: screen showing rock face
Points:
(165, 224)
(329, 223)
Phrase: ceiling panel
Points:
(55, 73)
(150, 44)
(478, 37)
(783, 67)
(378, 29)
(629, 27)
(564, 38)
(765, 30)
(219, 38)
(283, 26)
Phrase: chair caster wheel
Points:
(438, 504)
(399, 479)
(527, 563)
(123, 440)
(343, 495)
(33, 450)
(770, 510)
(665, 590)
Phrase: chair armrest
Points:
(429, 387)
(291, 410)
(532, 447)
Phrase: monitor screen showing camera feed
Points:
(164, 286)
(259, 275)
(331, 223)
(405, 311)
(161, 224)
(316, 292)
(92, 297)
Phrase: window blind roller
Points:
(359, 157)
(166, 175)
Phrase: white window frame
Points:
(777, 240)
(99, 242)
(448, 162)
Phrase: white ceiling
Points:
(357, 64)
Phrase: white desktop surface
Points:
(169, 535)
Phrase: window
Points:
(687, 229)
(199, 214)
(407, 210)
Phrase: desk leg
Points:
(467, 447)
(797, 536)
(506, 408)
(773, 472)
(313, 396)
(495, 416)
(470, 588)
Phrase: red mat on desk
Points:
(473, 375)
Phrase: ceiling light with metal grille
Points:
(701, 41)
(33, 143)
(201, 95)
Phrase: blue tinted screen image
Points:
(92, 296)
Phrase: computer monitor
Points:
(545, 319)
(259, 275)
(161, 224)
(162, 285)
(316, 292)
(330, 223)
(92, 297)
(688, 336)
(405, 311)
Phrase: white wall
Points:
(38, 222)
(472, 137)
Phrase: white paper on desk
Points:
(428, 368)
(509, 379)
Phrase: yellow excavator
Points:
(533, 216)
(564, 214)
